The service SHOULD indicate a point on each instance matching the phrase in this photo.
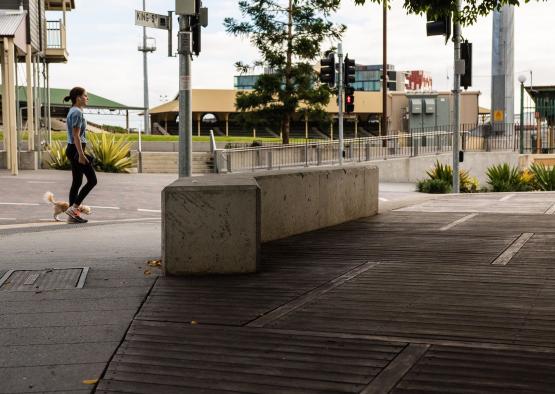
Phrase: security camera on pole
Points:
(191, 18)
(148, 19)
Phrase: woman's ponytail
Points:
(73, 94)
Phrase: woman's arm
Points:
(77, 141)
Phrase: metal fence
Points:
(421, 142)
(54, 32)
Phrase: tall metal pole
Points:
(145, 77)
(384, 72)
(185, 98)
(340, 100)
(521, 150)
(456, 93)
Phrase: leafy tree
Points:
(289, 35)
(471, 9)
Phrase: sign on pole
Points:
(148, 19)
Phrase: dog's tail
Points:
(48, 198)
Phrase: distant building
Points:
(418, 80)
(368, 79)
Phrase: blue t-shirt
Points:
(75, 119)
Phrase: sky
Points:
(103, 55)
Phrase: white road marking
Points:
(507, 197)
(149, 210)
(512, 250)
(29, 225)
(20, 203)
(8, 219)
(551, 210)
(383, 199)
(124, 220)
(459, 221)
(95, 207)
(40, 182)
(52, 223)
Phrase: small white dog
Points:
(62, 206)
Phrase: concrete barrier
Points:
(413, 169)
(215, 224)
(27, 160)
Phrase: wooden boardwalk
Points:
(455, 296)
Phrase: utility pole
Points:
(384, 127)
(340, 101)
(459, 69)
(185, 98)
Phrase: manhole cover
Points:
(47, 279)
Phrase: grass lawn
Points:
(61, 136)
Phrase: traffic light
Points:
(438, 27)
(327, 70)
(349, 99)
(196, 33)
(466, 55)
(349, 71)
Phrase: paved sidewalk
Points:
(450, 296)
(445, 294)
(54, 340)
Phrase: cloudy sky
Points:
(103, 39)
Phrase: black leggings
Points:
(77, 170)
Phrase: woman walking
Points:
(75, 152)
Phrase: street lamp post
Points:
(521, 79)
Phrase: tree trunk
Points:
(286, 129)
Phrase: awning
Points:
(13, 25)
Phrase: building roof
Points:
(223, 101)
(10, 22)
(96, 102)
(484, 111)
(542, 92)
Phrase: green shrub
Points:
(58, 159)
(110, 154)
(504, 178)
(527, 180)
(444, 172)
(544, 176)
(436, 186)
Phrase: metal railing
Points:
(55, 35)
(420, 142)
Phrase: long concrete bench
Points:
(215, 224)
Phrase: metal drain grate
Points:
(47, 279)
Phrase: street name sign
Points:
(148, 19)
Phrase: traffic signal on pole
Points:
(327, 70)
(196, 34)
(439, 27)
(349, 99)
(349, 71)
(466, 55)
